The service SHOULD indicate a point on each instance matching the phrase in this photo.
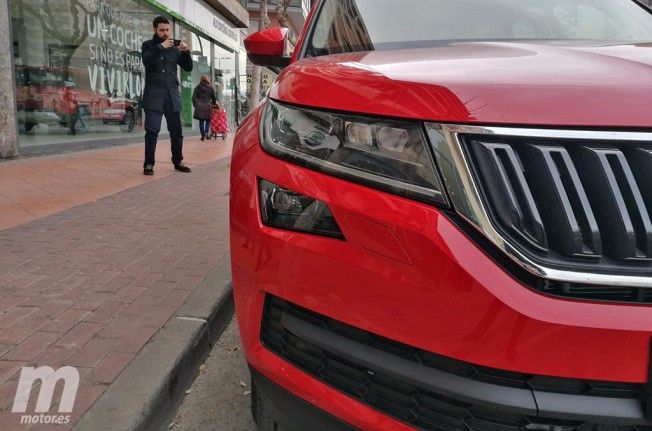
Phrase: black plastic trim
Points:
(274, 62)
(289, 412)
(647, 401)
(576, 232)
(511, 196)
(513, 400)
(594, 409)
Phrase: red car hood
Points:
(483, 82)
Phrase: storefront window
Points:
(79, 75)
(200, 50)
(225, 82)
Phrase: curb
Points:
(148, 392)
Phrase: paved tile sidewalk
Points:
(37, 187)
(89, 286)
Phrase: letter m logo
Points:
(49, 378)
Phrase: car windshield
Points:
(366, 25)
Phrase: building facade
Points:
(77, 76)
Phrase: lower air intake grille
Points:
(412, 403)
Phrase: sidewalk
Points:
(38, 187)
(95, 258)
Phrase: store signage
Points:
(115, 66)
(225, 29)
(205, 18)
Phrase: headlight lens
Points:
(387, 154)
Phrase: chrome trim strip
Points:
(479, 217)
(551, 133)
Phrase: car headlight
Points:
(391, 155)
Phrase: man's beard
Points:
(161, 39)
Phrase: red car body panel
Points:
(482, 82)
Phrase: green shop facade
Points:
(78, 77)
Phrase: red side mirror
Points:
(267, 47)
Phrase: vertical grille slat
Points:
(634, 203)
(555, 182)
(640, 161)
(623, 219)
(509, 193)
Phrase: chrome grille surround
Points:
(465, 194)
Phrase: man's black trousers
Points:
(153, 126)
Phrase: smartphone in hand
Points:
(177, 42)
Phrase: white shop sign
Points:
(204, 17)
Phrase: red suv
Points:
(441, 218)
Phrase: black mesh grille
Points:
(411, 403)
(570, 204)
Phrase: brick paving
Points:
(38, 187)
(89, 286)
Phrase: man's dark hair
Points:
(160, 20)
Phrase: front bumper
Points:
(430, 391)
(407, 273)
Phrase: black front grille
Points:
(412, 403)
(601, 293)
(570, 204)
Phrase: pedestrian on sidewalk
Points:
(161, 56)
(203, 96)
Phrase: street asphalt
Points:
(219, 398)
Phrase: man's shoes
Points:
(203, 137)
(148, 170)
(182, 168)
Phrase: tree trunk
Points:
(264, 18)
(282, 16)
(256, 73)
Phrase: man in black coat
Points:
(161, 56)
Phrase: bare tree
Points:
(282, 15)
(256, 73)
